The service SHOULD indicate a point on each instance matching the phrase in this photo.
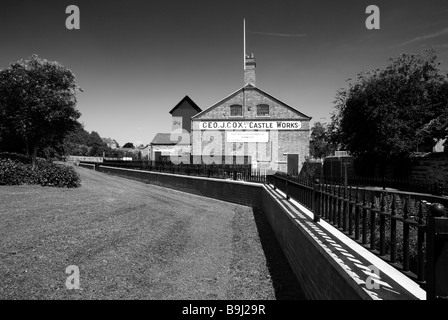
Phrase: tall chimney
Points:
(249, 71)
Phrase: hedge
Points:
(16, 169)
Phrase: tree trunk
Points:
(33, 159)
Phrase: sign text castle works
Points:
(250, 125)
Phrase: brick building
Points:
(250, 125)
(165, 146)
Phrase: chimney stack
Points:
(249, 72)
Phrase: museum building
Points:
(253, 125)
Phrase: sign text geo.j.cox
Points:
(245, 125)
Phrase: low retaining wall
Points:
(324, 268)
(245, 193)
(87, 165)
(313, 268)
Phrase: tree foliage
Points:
(320, 142)
(37, 103)
(129, 145)
(388, 113)
(82, 143)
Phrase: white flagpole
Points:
(244, 40)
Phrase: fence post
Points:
(437, 253)
(316, 204)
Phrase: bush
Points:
(16, 169)
(13, 172)
(15, 156)
(57, 175)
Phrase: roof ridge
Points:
(251, 87)
(190, 101)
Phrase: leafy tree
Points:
(97, 145)
(129, 145)
(37, 103)
(82, 143)
(386, 114)
(76, 142)
(320, 142)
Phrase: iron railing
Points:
(409, 185)
(223, 171)
(392, 225)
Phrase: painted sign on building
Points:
(177, 123)
(247, 136)
(250, 125)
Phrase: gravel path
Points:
(132, 240)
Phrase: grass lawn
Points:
(131, 240)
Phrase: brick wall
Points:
(244, 193)
(251, 99)
(184, 112)
(312, 267)
(431, 169)
(281, 141)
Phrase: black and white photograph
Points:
(224, 155)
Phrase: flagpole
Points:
(244, 44)
(244, 65)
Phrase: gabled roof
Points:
(109, 140)
(191, 102)
(250, 87)
(164, 139)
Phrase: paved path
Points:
(131, 240)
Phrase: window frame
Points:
(240, 107)
(263, 115)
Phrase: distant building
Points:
(145, 151)
(164, 146)
(111, 143)
(182, 113)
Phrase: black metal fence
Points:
(393, 225)
(222, 171)
(410, 185)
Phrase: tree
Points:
(387, 114)
(37, 103)
(97, 146)
(320, 143)
(129, 145)
(76, 142)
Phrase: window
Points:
(236, 111)
(262, 110)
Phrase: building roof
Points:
(191, 102)
(165, 139)
(249, 87)
(109, 140)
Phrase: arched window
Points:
(262, 110)
(236, 110)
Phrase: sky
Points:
(135, 60)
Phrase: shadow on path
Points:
(286, 285)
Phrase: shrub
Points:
(15, 156)
(13, 172)
(57, 175)
(16, 169)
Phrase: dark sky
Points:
(137, 59)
